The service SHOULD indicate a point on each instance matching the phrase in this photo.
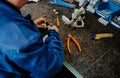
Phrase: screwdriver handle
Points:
(57, 22)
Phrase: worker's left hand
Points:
(53, 28)
(40, 21)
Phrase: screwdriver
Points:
(58, 21)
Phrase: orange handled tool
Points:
(68, 45)
(58, 22)
(75, 41)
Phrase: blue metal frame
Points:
(117, 13)
(62, 3)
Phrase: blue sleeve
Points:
(22, 49)
(41, 60)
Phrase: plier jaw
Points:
(75, 41)
(62, 3)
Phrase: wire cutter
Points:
(62, 3)
(75, 41)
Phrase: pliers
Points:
(75, 41)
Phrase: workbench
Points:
(99, 59)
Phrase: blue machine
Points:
(105, 9)
(108, 10)
(115, 19)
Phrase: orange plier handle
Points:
(76, 43)
(68, 45)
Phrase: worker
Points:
(22, 51)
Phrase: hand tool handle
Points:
(57, 22)
(68, 45)
(102, 35)
(77, 44)
(41, 27)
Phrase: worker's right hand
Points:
(53, 28)
(39, 21)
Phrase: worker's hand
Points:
(40, 21)
(53, 28)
